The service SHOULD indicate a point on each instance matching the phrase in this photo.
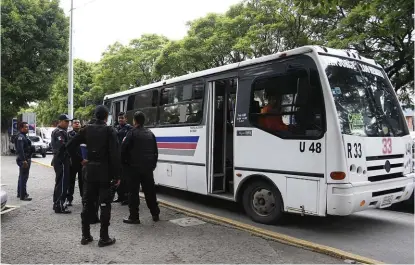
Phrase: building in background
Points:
(409, 117)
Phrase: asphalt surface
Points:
(383, 235)
(34, 234)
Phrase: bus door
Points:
(280, 136)
(118, 105)
(222, 99)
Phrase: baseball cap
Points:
(64, 117)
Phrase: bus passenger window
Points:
(146, 102)
(288, 105)
(182, 104)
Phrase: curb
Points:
(285, 239)
(42, 164)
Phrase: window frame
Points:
(278, 134)
(202, 101)
(151, 90)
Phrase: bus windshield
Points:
(366, 104)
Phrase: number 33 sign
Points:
(387, 145)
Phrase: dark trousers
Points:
(146, 179)
(75, 169)
(61, 182)
(23, 177)
(122, 189)
(96, 192)
(83, 177)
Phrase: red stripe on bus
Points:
(177, 145)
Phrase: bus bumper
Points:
(345, 199)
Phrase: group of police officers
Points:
(105, 159)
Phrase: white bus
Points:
(313, 130)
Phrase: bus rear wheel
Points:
(262, 202)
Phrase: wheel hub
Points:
(263, 201)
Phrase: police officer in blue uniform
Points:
(23, 160)
(61, 164)
(122, 129)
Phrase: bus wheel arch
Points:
(261, 199)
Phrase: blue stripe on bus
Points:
(178, 139)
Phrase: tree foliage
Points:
(56, 104)
(378, 29)
(34, 49)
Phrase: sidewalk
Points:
(34, 234)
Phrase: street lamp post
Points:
(70, 70)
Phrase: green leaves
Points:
(34, 49)
(378, 29)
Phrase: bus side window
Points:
(290, 105)
(144, 102)
(182, 104)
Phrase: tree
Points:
(378, 29)
(249, 29)
(34, 50)
(124, 67)
(48, 110)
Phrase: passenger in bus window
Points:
(273, 122)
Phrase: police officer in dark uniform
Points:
(23, 160)
(122, 129)
(139, 155)
(61, 164)
(84, 154)
(102, 165)
(76, 166)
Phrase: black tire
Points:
(256, 190)
(43, 155)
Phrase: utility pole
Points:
(70, 70)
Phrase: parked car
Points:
(46, 134)
(3, 195)
(38, 145)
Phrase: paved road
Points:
(383, 235)
(34, 234)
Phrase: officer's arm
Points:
(20, 148)
(156, 150)
(74, 143)
(125, 146)
(59, 141)
(114, 152)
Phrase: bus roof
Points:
(224, 68)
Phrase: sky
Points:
(100, 23)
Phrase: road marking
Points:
(42, 164)
(282, 238)
(9, 208)
(187, 221)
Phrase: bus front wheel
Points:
(262, 202)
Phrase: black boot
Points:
(105, 240)
(59, 208)
(86, 239)
(156, 218)
(131, 220)
(86, 230)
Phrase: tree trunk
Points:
(5, 150)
